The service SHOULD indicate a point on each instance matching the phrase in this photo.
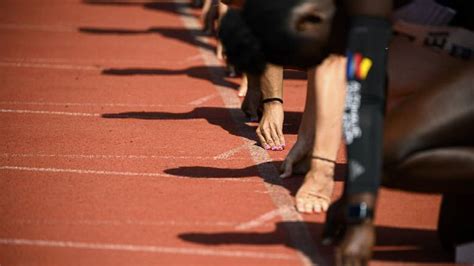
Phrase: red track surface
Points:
(172, 182)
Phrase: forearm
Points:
(271, 82)
(329, 98)
(365, 102)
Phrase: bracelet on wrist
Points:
(323, 159)
(269, 100)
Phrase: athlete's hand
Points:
(297, 160)
(356, 246)
(354, 241)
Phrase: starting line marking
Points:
(82, 171)
(119, 157)
(145, 248)
(204, 99)
(40, 112)
(91, 104)
(263, 219)
(228, 154)
(227, 224)
(37, 27)
(49, 66)
(102, 172)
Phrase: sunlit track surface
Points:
(123, 143)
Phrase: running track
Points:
(122, 144)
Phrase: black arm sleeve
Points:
(365, 101)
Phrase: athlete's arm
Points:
(368, 39)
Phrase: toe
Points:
(324, 205)
(300, 205)
(317, 206)
(308, 207)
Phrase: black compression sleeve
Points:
(365, 101)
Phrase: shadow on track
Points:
(218, 116)
(393, 244)
(291, 184)
(180, 34)
(163, 6)
(198, 72)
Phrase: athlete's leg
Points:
(428, 141)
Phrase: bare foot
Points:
(315, 193)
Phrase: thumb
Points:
(286, 168)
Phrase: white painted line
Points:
(55, 60)
(127, 222)
(194, 58)
(204, 99)
(115, 157)
(38, 112)
(263, 219)
(300, 237)
(90, 104)
(226, 155)
(48, 28)
(50, 66)
(82, 171)
(119, 173)
(146, 248)
(85, 64)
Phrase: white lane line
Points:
(263, 219)
(87, 65)
(204, 99)
(145, 248)
(119, 173)
(194, 58)
(48, 28)
(40, 112)
(112, 157)
(226, 155)
(75, 61)
(227, 224)
(50, 66)
(298, 232)
(90, 104)
(82, 171)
